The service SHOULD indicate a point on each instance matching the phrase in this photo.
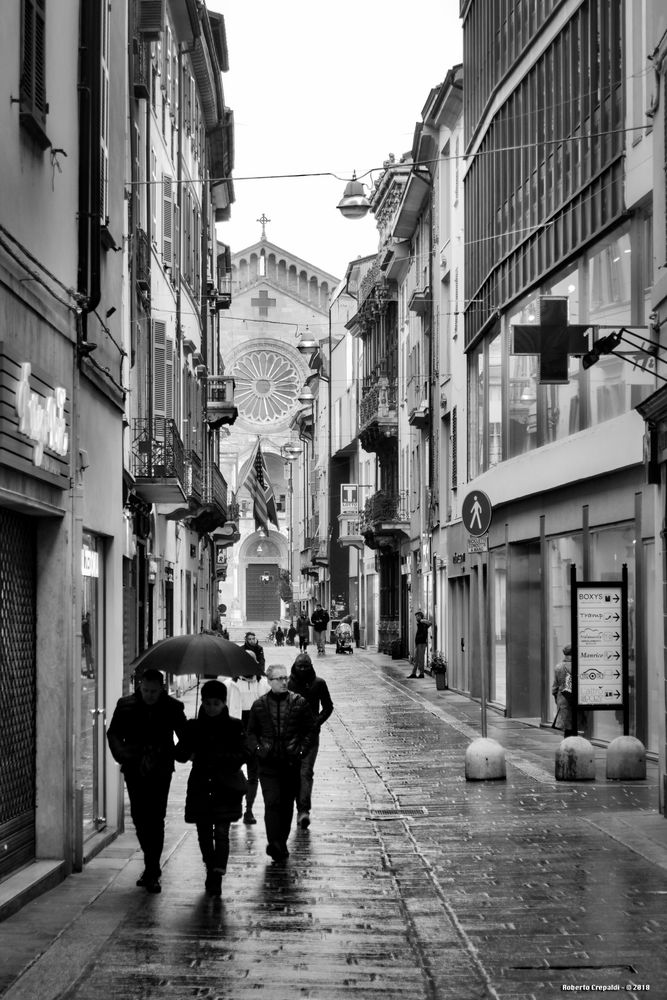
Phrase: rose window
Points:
(266, 386)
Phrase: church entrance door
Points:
(262, 600)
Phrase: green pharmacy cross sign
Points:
(553, 339)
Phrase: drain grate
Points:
(397, 812)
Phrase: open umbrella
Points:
(204, 654)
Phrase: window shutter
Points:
(169, 378)
(454, 453)
(176, 247)
(153, 196)
(159, 367)
(167, 220)
(33, 106)
(150, 18)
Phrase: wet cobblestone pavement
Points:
(411, 881)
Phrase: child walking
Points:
(216, 745)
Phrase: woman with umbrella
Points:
(216, 745)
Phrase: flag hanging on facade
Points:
(259, 487)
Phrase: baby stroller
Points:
(343, 635)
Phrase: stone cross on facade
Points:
(263, 302)
(552, 339)
(263, 220)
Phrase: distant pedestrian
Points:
(216, 745)
(281, 731)
(320, 620)
(304, 681)
(242, 693)
(421, 640)
(303, 631)
(561, 689)
(141, 739)
(291, 635)
(280, 637)
(252, 646)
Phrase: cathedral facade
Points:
(277, 298)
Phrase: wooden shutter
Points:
(159, 367)
(150, 18)
(454, 451)
(167, 220)
(169, 378)
(33, 106)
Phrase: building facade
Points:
(558, 214)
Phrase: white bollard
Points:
(575, 760)
(485, 761)
(626, 759)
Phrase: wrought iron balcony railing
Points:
(158, 459)
(220, 407)
(142, 260)
(385, 508)
(379, 403)
(193, 476)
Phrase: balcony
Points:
(142, 260)
(378, 414)
(193, 478)
(212, 513)
(419, 416)
(142, 70)
(158, 460)
(220, 408)
(349, 532)
(319, 552)
(386, 519)
(420, 301)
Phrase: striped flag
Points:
(259, 487)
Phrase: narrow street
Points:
(411, 882)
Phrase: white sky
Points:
(325, 87)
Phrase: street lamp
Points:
(354, 204)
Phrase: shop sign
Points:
(90, 562)
(600, 620)
(349, 498)
(459, 558)
(478, 544)
(41, 419)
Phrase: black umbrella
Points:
(204, 654)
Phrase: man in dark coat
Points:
(281, 731)
(320, 620)
(303, 631)
(252, 646)
(304, 681)
(141, 740)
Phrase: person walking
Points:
(303, 631)
(561, 689)
(141, 739)
(304, 681)
(421, 639)
(320, 620)
(280, 637)
(252, 646)
(216, 745)
(281, 731)
(291, 635)
(242, 693)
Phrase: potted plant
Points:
(439, 670)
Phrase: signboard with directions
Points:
(600, 627)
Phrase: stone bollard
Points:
(485, 761)
(626, 759)
(575, 760)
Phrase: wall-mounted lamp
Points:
(307, 344)
(354, 204)
(306, 397)
(85, 348)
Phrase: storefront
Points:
(509, 609)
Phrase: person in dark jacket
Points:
(304, 681)
(281, 730)
(141, 740)
(216, 745)
(252, 646)
(303, 631)
(291, 635)
(320, 620)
